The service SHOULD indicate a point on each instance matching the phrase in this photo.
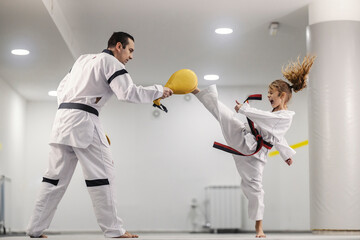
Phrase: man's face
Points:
(125, 54)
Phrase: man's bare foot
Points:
(128, 235)
(260, 235)
(41, 236)
(259, 230)
(195, 91)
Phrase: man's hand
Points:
(167, 92)
(238, 106)
(289, 161)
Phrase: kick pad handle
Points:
(161, 107)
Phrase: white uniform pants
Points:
(98, 170)
(249, 168)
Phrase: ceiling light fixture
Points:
(223, 30)
(52, 93)
(273, 28)
(211, 77)
(20, 52)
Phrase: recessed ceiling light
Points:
(223, 30)
(52, 93)
(211, 77)
(20, 52)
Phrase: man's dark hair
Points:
(121, 37)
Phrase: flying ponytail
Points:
(296, 73)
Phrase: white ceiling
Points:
(169, 35)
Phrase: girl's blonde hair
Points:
(296, 73)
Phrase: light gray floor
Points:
(197, 236)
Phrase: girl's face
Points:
(276, 99)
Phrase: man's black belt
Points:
(79, 106)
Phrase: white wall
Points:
(12, 128)
(163, 163)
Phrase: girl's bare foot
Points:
(195, 91)
(41, 236)
(259, 230)
(128, 235)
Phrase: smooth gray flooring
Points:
(195, 236)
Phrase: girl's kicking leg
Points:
(232, 128)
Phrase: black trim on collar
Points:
(108, 52)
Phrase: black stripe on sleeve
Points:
(51, 181)
(117, 73)
(97, 182)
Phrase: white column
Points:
(333, 35)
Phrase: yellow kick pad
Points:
(181, 82)
(297, 145)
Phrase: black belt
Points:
(79, 106)
(260, 141)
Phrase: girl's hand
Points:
(289, 161)
(238, 106)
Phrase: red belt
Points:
(260, 141)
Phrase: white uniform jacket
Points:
(94, 76)
(272, 126)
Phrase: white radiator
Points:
(224, 207)
(5, 204)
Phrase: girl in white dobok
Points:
(272, 127)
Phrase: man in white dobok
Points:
(77, 134)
